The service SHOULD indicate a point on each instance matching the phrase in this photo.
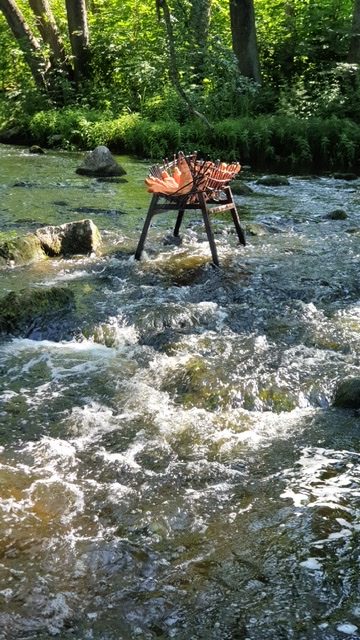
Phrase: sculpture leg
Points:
(179, 220)
(235, 216)
(238, 227)
(146, 226)
(209, 230)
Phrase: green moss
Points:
(20, 250)
(276, 399)
(197, 384)
(20, 310)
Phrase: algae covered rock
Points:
(21, 250)
(239, 188)
(100, 162)
(20, 311)
(347, 394)
(336, 214)
(345, 176)
(36, 149)
(256, 229)
(72, 238)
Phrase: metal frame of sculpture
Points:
(187, 183)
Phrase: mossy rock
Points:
(347, 394)
(21, 310)
(36, 149)
(337, 214)
(273, 181)
(355, 231)
(277, 400)
(256, 229)
(345, 176)
(71, 238)
(239, 188)
(21, 250)
(196, 384)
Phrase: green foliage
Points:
(279, 142)
(305, 117)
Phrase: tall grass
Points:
(266, 142)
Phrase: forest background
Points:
(273, 83)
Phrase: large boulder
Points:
(71, 238)
(100, 163)
(24, 310)
(21, 250)
(347, 394)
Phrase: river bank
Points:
(266, 143)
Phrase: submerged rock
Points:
(345, 176)
(21, 250)
(354, 231)
(337, 214)
(72, 238)
(36, 149)
(239, 188)
(273, 181)
(347, 394)
(100, 163)
(23, 310)
(256, 229)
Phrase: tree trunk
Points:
(79, 36)
(27, 41)
(200, 23)
(162, 6)
(243, 31)
(354, 49)
(48, 29)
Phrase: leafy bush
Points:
(265, 142)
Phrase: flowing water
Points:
(170, 463)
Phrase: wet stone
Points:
(347, 394)
(100, 163)
(35, 149)
(239, 188)
(21, 250)
(345, 176)
(256, 229)
(22, 311)
(337, 214)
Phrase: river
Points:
(171, 466)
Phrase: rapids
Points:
(170, 463)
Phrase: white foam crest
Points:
(327, 479)
(312, 564)
(56, 612)
(117, 491)
(91, 421)
(115, 333)
(123, 459)
(52, 452)
(67, 276)
(19, 345)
